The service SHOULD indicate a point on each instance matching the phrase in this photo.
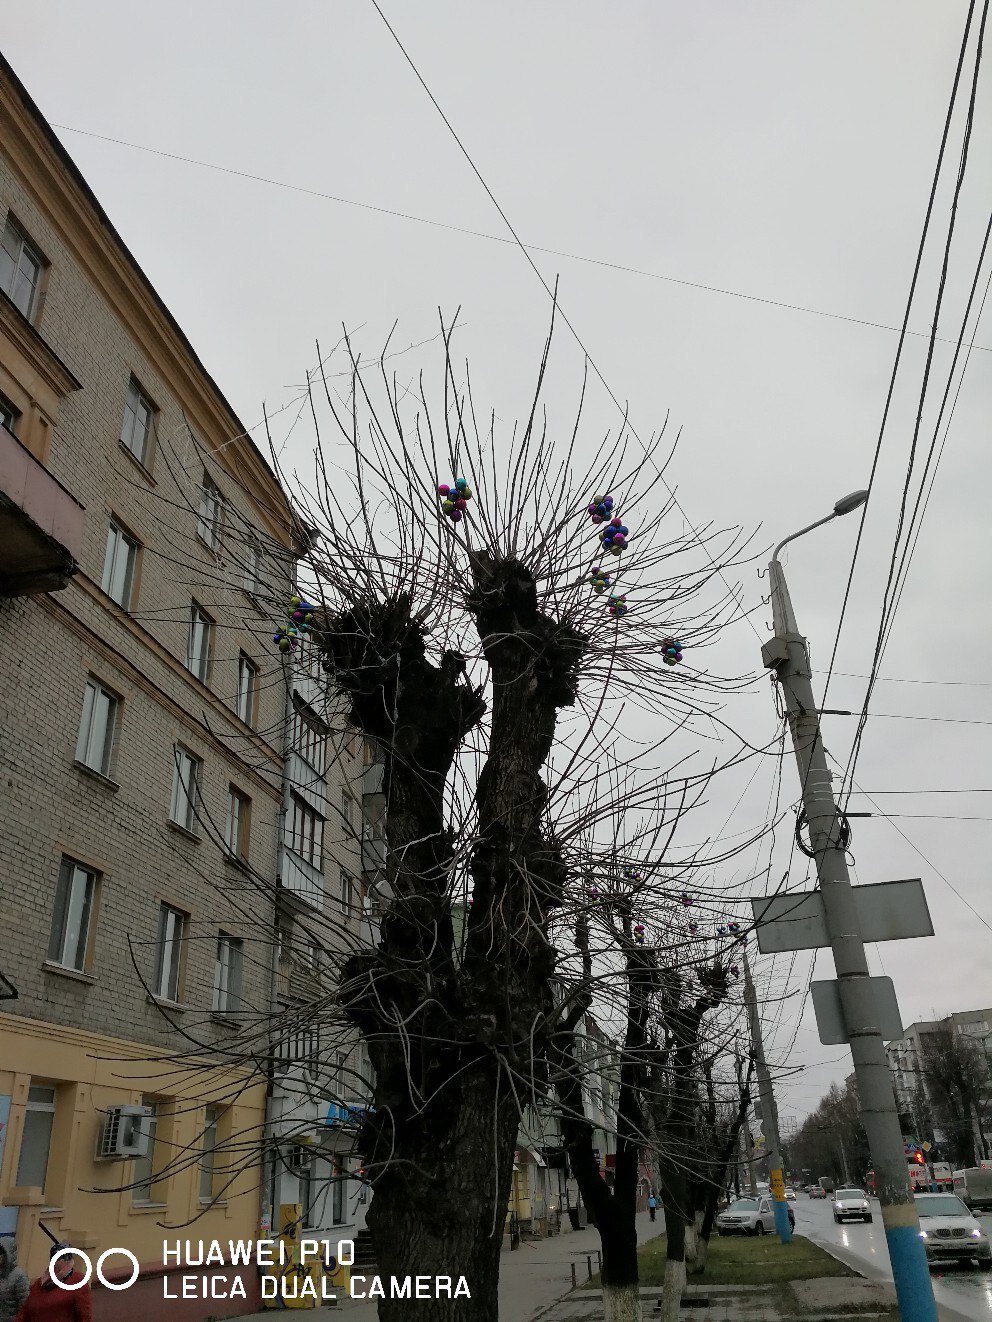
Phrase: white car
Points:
(851, 1204)
(790, 1195)
(949, 1232)
(749, 1216)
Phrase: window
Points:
(346, 802)
(338, 1176)
(227, 974)
(21, 267)
(71, 918)
(185, 789)
(171, 930)
(238, 824)
(8, 414)
(119, 565)
(347, 890)
(307, 1197)
(36, 1142)
(198, 643)
(144, 1167)
(207, 1158)
(247, 688)
(139, 412)
(95, 744)
(208, 523)
(306, 831)
(252, 565)
(309, 739)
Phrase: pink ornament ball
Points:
(461, 504)
(615, 523)
(443, 489)
(597, 518)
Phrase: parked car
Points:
(851, 1204)
(817, 1191)
(749, 1216)
(949, 1232)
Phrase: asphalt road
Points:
(965, 1289)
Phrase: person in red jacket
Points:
(47, 1302)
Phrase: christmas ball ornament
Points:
(594, 892)
(693, 928)
(599, 580)
(671, 651)
(721, 931)
(617, 606)
(639, 933)
(632, 875)
(733, 928)
(734, 971)
(454, 497)
(686, 899)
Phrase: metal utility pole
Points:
(787, 654)
(768, 1114)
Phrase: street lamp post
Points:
(789, 656)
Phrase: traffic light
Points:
(919, 1158)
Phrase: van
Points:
(974, 1186)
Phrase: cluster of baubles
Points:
(734, 971)
(618, 606)
(686, 899)
(728, 929)
(632, 875)
(615, 533)
(639, 933)
(301, 619)
(599, 580)
(594, 892)
(455, 498)
(693, 928)
(671, 651)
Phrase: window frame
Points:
(237, 833)
(347, 886)
(211, 1122)
(308, 738)
(210, 513)
(306, 831)
(131, 409)
(93, 691)
(186, 788)
(33, 1107)
(251, 570)
(35, 255)
(133, 548)
(229, 964)
(201, 625)
(246, 705)
(173, 924)
(149, 1125)
(70, 873)
(10, 414)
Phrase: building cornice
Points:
(59, 190)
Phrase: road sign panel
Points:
(872, 1003)
(887, 911)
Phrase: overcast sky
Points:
(782, 152)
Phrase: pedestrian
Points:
(48, 1302)
(13, 1281)
(652, 1205)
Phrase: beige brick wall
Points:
(48, 647)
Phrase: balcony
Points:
(41, 524)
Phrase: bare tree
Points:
(955, 1076)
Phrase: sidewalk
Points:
(531, 1279)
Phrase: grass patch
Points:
(741, 1260)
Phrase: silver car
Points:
(851, 1204)
(749, 1216)
(950, 1232)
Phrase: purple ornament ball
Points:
(456, 514)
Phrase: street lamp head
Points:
(848, 503)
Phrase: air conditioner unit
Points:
(124, 1133)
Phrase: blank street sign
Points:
(887, 911)
(874, 1006)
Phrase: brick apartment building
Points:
(144, 547)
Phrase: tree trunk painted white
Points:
(671, 1292)
(622, 1303)
(691, 1244)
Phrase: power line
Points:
(894, 679)
(621, 267)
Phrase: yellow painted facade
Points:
(82, 1200)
